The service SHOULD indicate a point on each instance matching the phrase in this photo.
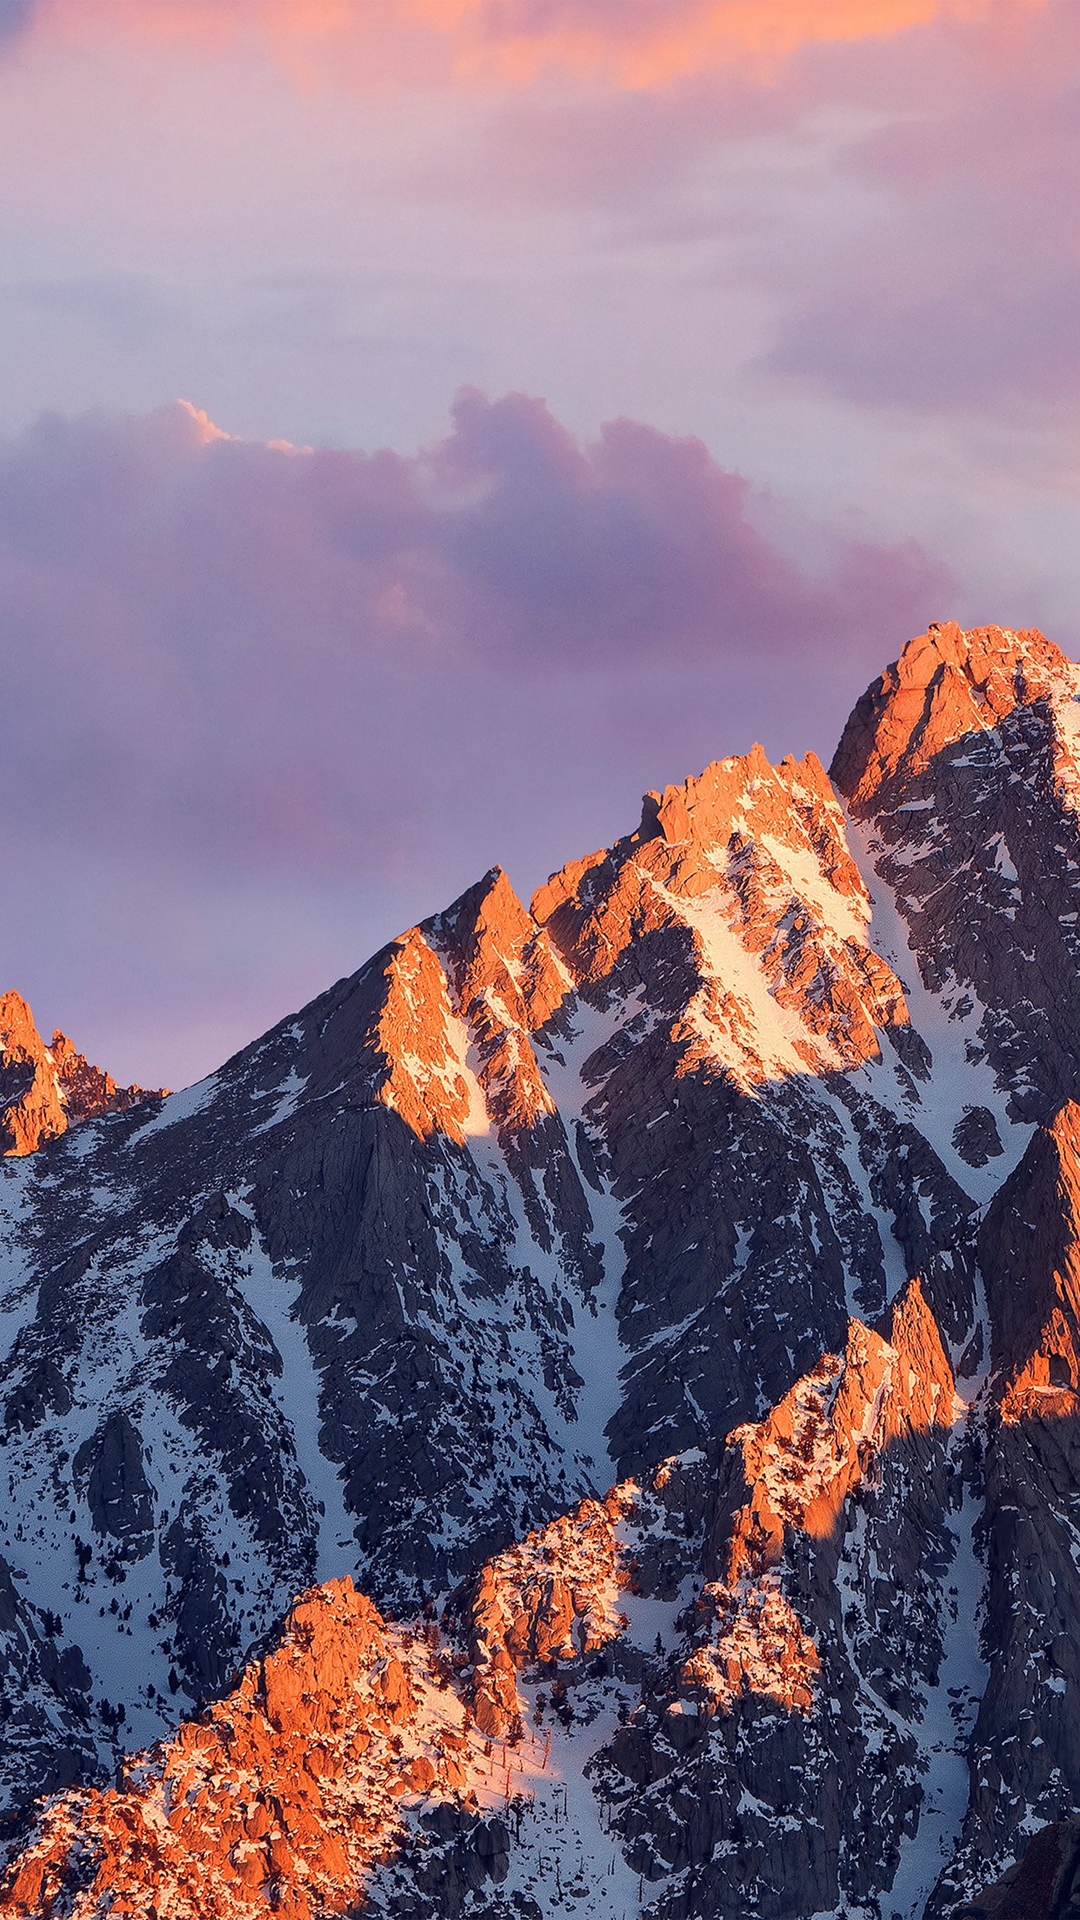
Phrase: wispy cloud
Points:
(637, 44)
(128, 309)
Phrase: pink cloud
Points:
(239, 674)
(648, 44)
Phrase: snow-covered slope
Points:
(699, 1180)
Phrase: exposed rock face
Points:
(286, 1794)
(724, 951)
(961, 764)
(800, 1465)
(44, 1090)
(1031, 1260)
(1026, 1758)
(552, 1279)
(45, 1696)
(551, 1599)
(946, 684)
(346, 1759)
(1043, 1885)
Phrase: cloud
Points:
(655, 42)
(981, 344)
(644, 44)
(249, 687)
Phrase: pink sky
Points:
(817, 262)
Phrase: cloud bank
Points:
(264, 706)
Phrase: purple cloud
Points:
(263, 707)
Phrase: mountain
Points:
(46, 1089)
(583, 1418)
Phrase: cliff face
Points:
(643, 1327)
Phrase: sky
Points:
(426, 426)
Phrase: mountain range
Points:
(583, 1417)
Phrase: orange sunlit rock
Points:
(800, 1464)
(551, 1598)
(745, 875)
(288, 1793)
(946, 684)
(506, 983)
(424, 1082)
(46, 1089)
(461, 997)
(294, 1789)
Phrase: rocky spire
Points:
(736, 904)
(46, 1089)
(961, 770)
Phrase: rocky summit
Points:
(584, 1418)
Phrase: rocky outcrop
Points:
(746, 865)
(285, 1795)
(86, 1091)
(1025, 1766)
(1030, 1255)
(506, 983)
(552, 1599)
(44, 1090)
(947, 684)
(1043, 1885)
(800, 1467)
(793, 1721)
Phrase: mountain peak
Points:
(17, 1026)
(490, 909)
(46, 1089)
(945, 684)
(505, 984)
